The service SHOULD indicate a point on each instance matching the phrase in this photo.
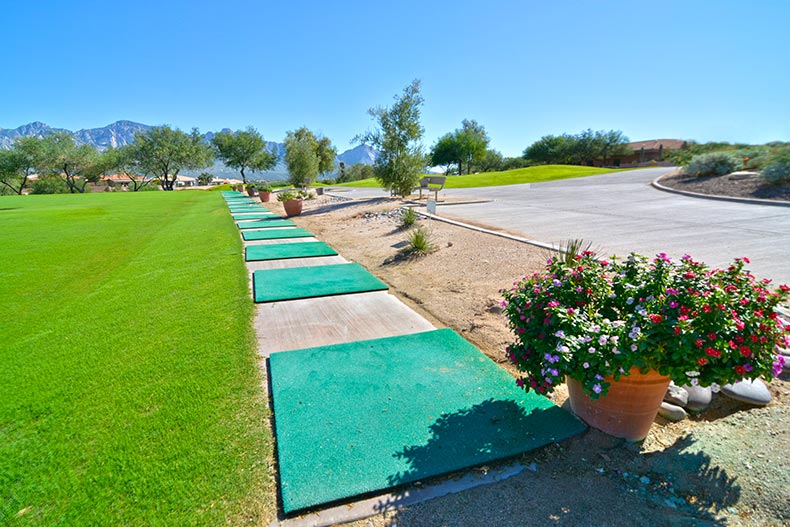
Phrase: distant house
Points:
(650, 152)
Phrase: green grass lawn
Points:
(130, 392)
(536, 174)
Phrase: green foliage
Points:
(419, 242)
(491, 161)
(49, 184)
(19, 163)
(243, 150)
(408, 218)
(401, 158)
(162, 152)
(307, 156)
(78, 165)
(777, 173)
(125, 161)
(289, 195)
(585, 147)
(713, 164)
(205, 178)
(264, 187)
(466, 145)
(121, 401)
(356, 172)
(572, 249)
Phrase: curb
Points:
(753, 201)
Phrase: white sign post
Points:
(431, 206)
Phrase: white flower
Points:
(630, 300)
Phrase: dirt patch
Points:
(732, 185)
(729, 466)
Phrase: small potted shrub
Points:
(264, 192)
(293, 201)
(250, 189)
(625, 328)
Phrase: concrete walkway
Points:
(621, 212)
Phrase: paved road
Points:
(621, 212)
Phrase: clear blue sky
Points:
(689, 69)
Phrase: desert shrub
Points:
(408, 218)
(419, 243)
(713, 164)
(49, 185)
(572, 249)
(777, 173)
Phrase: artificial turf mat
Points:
(272, 285)
(368, 415)
(275, 234)
(281, 251)
(255, 216)
(263, 224)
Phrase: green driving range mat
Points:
(282, 251)
(271, 285)
(248, 209)
(255, 216)
(368, 415)
(275, 234)
(264, 224)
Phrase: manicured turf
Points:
(275, 234)
(129, 381)
(282, 251)
(265, 224)
(368, 415)
(272, 285)
(536, 174)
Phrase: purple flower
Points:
(556, 283)
(597, 388)
(778, 365)
(560, 334)
(586, 365)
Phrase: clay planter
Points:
(627, 410)
(265, 196)
(250, 191)
(293, 207)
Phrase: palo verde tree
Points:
(401, 158)
(125, 161)
(162, 152)
(243, 150)
(307, 156)
(78, 165)
(19, 163)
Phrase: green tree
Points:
(20, 162)
(447, 152)
(125, 160)
(550, 149)
(610, 144)
(473, 141)
(78, 165)
(205, 178)
(491, 161)
(162, 152)
(401, 158)
(357, 172)
(307, 156)
(243, 150)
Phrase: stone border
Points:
(754, 201)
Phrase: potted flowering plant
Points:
(264, 191)
(594, 321)
(293, 201)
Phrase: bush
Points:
(408, 218)
(777, 173)
(149, 187)
(49, 185)
(419, 243)
(713, 164)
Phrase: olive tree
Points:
(307, 156)
(401, 158)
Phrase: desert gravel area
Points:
(727, 466)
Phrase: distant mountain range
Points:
(122, 133)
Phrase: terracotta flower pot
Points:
(293, 207)
(627, 410)
(250, 191)
(265, 196)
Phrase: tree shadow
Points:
(567, 490)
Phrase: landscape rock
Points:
(670, 412)
(748, 391)
(699, 398)
(676, 395)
